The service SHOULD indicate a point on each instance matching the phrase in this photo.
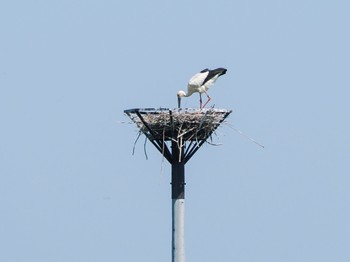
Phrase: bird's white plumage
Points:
(197, 82)
(200, 83)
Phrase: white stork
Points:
(200, 83)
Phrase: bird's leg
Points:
(200, 100)
(209, 98)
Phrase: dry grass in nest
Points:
(172, 124)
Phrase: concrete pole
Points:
(178, 241)
(178, 207)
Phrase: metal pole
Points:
(178, 205)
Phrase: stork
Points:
(200, 83)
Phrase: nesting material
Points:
(173, 124)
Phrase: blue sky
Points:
(70, 189)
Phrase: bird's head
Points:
(179, 95)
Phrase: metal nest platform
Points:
(187, 128)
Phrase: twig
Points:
(212, 144)
(161, 165)
(241, 133)
(133, 148)
(180, 150)
(123, 122)
(144, 148)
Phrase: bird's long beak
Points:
(179, 102)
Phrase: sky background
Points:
(70, 189)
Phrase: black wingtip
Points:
(215, 72)
(221, 70)
(218, 71)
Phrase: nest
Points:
(172, 124)
(186, 129)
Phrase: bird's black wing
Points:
(205, 70)
(219, 71)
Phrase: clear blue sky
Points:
(71, 191)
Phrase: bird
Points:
(200, 83)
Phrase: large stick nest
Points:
(172, 124)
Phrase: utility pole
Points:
(177, 135)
